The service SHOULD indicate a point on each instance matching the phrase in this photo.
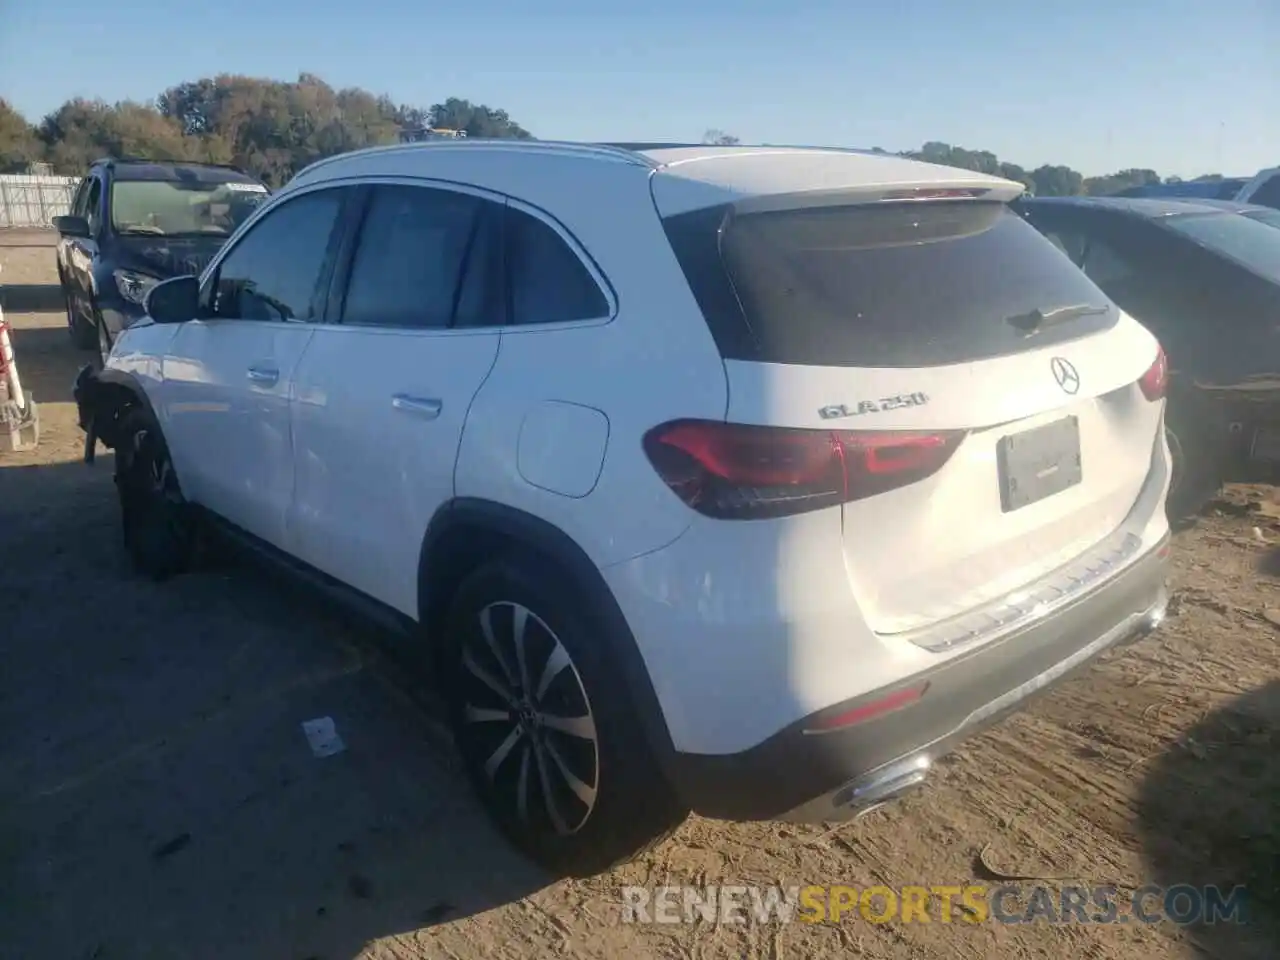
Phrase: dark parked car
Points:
(134, 223)
(1205, 279)
(1268, 215)
(1225, 189)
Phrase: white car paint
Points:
(744, 627)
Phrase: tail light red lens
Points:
(1155, 382)
(737, 471)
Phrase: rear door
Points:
(981, 390)
(383, 390)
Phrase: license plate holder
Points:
(1038, 463)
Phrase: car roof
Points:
(170, 170)
(1234, 206)
(1145, 208)
(707, 173)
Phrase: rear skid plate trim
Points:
(1035, 601)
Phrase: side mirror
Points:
(70, 226)
(175, 300)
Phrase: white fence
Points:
(33, 201)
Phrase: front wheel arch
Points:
(104, 397)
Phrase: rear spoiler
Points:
(674, 194)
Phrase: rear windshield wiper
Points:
(1035, 320)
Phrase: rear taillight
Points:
(1155, 382)
(736, 471)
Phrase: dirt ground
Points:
(158, 798)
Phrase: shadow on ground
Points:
(1210, 816)
(30, 297)
(47, 362)
(158, 796)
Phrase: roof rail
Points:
(599, 150)
(641, 145)
(188, 163)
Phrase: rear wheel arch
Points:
(467, 532)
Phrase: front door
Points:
(229, 376)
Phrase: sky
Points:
(1181, 86)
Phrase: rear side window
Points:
(411, 262)
(548, 281)
(890, 285)
(1268, 195)
(1249, 243)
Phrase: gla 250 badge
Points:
(863, 407)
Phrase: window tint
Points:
(1069, 242)
(1104, 265)
(1268, 195)
(1252, 244)
(413, 258)
(889, 285)
(274, 271)
(549, 283)
(93, 205)
(78, 201)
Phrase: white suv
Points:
(740, 480)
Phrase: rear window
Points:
(892, 285)
(1247, 241)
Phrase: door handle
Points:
(428, 408)
(263, 375)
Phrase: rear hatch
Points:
(986, 403)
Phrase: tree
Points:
(1121, 180)
(81, 131)
(719, 138)
(19, 145)
(476, 120)
(1056, 181)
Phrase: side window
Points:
(93, 205)
(1069, 242)
(78, 199)
(548, 281)
(274, 271)
(1268, 195)
(1104, 266)
(420, 259)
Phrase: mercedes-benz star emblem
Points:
(1065, 374)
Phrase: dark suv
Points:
(134, 223)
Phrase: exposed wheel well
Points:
(105, 403)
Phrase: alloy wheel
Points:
(526, 721)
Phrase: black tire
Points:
(158, 525)
(82, 332)
(621, 805)
(1197, 449)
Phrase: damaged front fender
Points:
(102, 398)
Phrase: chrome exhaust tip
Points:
(885, 784)
(1157, 615)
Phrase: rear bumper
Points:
(795, 775)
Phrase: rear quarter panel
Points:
(557, 387)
